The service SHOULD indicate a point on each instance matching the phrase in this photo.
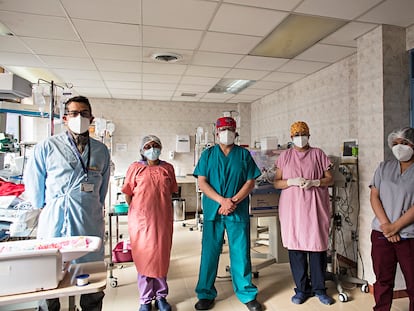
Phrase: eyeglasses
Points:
(151, 145)
(75, 113)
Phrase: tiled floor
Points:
(274, 282)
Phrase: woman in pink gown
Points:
(148, 188)
(303, 173)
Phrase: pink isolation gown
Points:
(150, 215)
(304, 214)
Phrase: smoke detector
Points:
(166, 57)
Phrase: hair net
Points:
(299, 127)
(226, 122)
(147, 139)
(406, 133)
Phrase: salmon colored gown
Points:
(150, 215)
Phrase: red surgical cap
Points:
(225, 122)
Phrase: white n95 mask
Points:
(152, 154)
(402, 152)
(79, 124)
(300, 141)
(227, 137)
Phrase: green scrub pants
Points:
(238, 234)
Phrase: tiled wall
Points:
(135, 119)
(363, 97)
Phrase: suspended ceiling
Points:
(104, 47)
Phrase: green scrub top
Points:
(226, 175)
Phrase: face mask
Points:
(300, 141)
(227, 137)
(78, 125)
(152, 154)
(402, 152)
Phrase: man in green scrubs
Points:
(226, 175)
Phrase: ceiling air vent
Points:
(166, 57)
(189, 94)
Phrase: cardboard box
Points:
(30, 271)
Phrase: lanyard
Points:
(79, 156)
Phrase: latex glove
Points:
(310, 183)
(298, 181)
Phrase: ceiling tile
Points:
(20, 59)
(263, 63)
(284, 5)
(38, 26)
(299, 66)
(56, 47)
(228, 43)
(87, 83)
(194, 88)
(12, 44)
(68, 62)
(171, 38)
(112, 51)
(391, 12)
(106, 32)
(216, 59)
(188, 14)
(168, 69)
(160, 86)
(42, 7)
(71, 74)
(109, 10)
(326, 53)
(245, 20)
(160, 78)
(121, 76)
(117, 65)
(246, 74)
(204, 71)
(199, 80)
(348, 34)
(349, 9)
(123, 85)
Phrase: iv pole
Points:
(51, 104)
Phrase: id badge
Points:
(86, 187)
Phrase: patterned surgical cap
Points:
(299, 127)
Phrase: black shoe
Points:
(204, 304)
(162, 304)
(254, 305)
(145, 307)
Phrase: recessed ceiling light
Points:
(296, 34)
(166, 57)
(231, 86)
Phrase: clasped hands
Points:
(390, 232)
(227, 206)
(303, 183)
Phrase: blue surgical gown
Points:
(53, 178)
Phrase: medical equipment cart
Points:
(113, 281)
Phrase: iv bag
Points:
(38, 98)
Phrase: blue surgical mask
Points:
(152, 154)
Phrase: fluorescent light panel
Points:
(296, 34)
(231, 86)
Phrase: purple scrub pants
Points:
(385, 256)
(151, 288)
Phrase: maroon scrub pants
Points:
(385, 256)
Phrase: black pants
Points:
(88, 302)
(300, 261)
